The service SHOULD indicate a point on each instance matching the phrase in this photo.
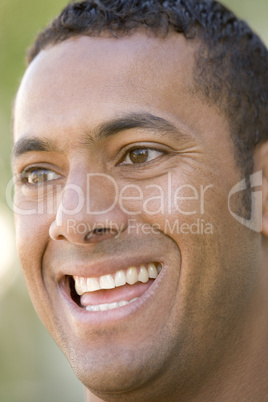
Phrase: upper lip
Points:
(94, 268)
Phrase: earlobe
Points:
(261, 163)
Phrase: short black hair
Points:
(231, 62)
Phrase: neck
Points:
(91, 397)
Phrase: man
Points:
(139, 129)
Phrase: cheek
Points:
(32, 240)
(32, 237)
(178, 207)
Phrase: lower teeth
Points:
(109, 306)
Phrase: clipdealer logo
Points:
(153, 199)
(255, 221)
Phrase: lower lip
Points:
(102, 318)
(126, 292)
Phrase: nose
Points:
(89, 213)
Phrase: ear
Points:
(261, 163)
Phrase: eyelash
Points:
(140, 148)
(24, 175)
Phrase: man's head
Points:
(230, 64)
(124, 136)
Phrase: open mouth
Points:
(115, 290)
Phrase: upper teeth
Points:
(132, 275)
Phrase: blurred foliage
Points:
(31, 366)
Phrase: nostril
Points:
(98, 232)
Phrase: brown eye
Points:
(39, 176)
(140, 155)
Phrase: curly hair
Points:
(231, 68)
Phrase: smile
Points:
(116, 290)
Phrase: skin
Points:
(195, 334)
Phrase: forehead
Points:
(104, 76)
(77, 85)
(90, 58)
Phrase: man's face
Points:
(127, 147)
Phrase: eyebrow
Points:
(32, 144)
(109, 128)
(136, 120)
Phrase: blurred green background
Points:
(32, 368)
